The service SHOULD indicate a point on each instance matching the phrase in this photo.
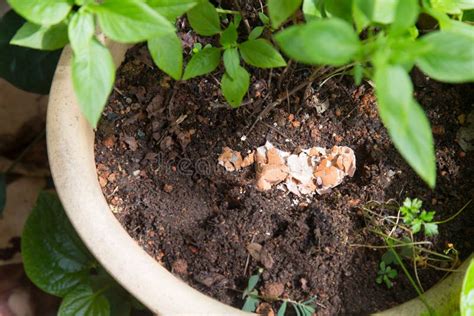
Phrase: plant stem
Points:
(455, 215)
(224, 11)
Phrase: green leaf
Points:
(260, 53)
(250, 304)
(234, 89)
(3, 192)
(281, 10)
(427, 216)
(55, 260)
(253, 280)
(265, 19)
(431, 229)
(388, 257)
(231, 61)
(172, 9)
(203, 62)
(406, 15)
(204, 19)
(467, 292)
(282, 309)
(312, 9)
(44, 12)
(130, 21)
(93, 74)
(41, 37)
(327, 41)
(379, 11)
(339, 8)
(167, 53)
(81, 30)
(405, 121)
(256, 32)
(83, 301)
(229, 36)
(416, 226)
(449, 57)
(28, 69)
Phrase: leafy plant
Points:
(467, 292)
(252, 299)
(57, 262)
(417, 218)
(386, 274)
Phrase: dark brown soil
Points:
(156, 153)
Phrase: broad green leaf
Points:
(234, 89)
(81, 30)
(340, 9)
(231, 61)
(449, 57)
(250, 304)
(204, 19)
(281, 10)
(467, 292)
(451, 6)
(93, 74)
(312, 9)
(379, 11)
(229, 36)
(55, 260)
(260, 53)
(43, 12)
(405, 120)
(406, 15)
(28, 69)
(256, 32)
(130, 21)
(41, 37)
(282, 309)
(83, 301)
(327, 41)
(3, 192)
(172, 9)
(203, 62)
(167, 53)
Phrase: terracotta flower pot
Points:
(71, 154)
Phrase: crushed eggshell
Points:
(313, 170)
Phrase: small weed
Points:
(386, 274)
(417, 218)
(252, 299)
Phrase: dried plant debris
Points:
(312, 170)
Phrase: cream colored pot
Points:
(71, 155)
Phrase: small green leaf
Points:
(416, 226)
(326, 41)
(449, 57)
(312, 9)
(405, 121)
(81, 30)
(229, 36)
(250, 304)
(55, 260)
(93, 74)
(260, 53)
(388, 257)
(265, 19)
(82, 301)
(379, 279)
(282, 309)
(41, 37)
(43, 12)
(167, 53)
(3, 192)
(406, 15)
(431, 229)
(281, 10)
(203, 62)
(379, 11)
(172, 9)
(234, 89)
(231, 61)
(130, 21)
(204, 19)
(340, 9)
(253, 280)
(467, 292)
(256, 32)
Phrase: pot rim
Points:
(70, 141)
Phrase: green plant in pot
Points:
(372, 40)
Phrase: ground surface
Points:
(156, 152)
